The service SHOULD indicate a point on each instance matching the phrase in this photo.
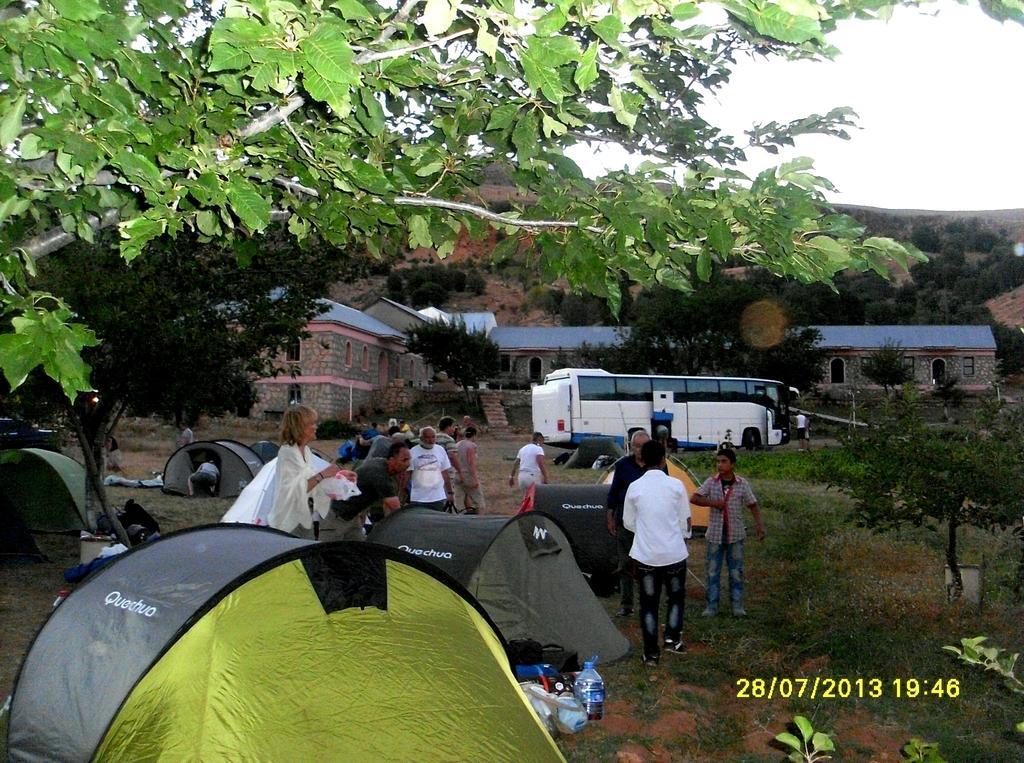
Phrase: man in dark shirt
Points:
(628, 469)
(378, 493)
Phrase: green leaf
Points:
(608, 29)
(329, 54)
(788, 739)
(419, 232)
(502, 116)
(704, 266)
(1019, 727)
(429, 169)
(439, 15)
(835, 251)
(206, 222)
(622, 114)
(252, 209)
(225, 57)
(542, 75)
(138, 232)
(446, 248)
(352, 9)
(552, 126)
(806, 729)
(785, 27)
(586, 70)
(10, 125)
(486, 42)
(550, 22)
(525, 137)
(369, 177)
(685, 11)
(333, 94)
(673, 279)
(822, 742)
(18, 356)
(29, 147)
(78, 10)
(12, 207)
(138, 169)
(720, 238)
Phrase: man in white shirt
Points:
(803, 432)
(657, 510)
(529, 464)
(430, 484)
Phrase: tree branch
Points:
(382, 55)
(57, 238)
(270, 118)
(486, 214)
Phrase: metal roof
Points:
(907, 337)
(555, 337)
(335, 312)
(411, 312)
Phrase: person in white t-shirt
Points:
(430, 484)
(657, 510)
(529, 465)
(803, 432)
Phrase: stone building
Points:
(348, 357)
(528, 353)
(931, 354)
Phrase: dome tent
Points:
(46, 489)
(237, 464)
(521, 569)
(265, 449)
(236, 642)
(581, 511)
(590, 448)
(699, 515)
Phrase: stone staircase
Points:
(494, 412)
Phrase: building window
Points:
(968, 366)
(366, 358)
(348, 354)
(908, 366)
(294, 394)
(837, 371)
(293, 351)
(938, 370)
(536, 369)
(506, 364)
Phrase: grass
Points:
(825, 599)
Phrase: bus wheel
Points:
(751, 439)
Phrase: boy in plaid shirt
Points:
(726, 493)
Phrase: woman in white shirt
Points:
(297, 479)
(529, 465)
(657, 510)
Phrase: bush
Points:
(475, 283)
(335, 429)
(396, 287)
(427, 295)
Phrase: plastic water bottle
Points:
(589, 690)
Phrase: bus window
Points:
(633, 388)
(668, 384)
(597, 388)
(702, 390)
(734, 390)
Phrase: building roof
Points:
(483, 322)
(411, 312)
(335, 312)
(555, 337)
(907, 337)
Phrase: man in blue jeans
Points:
(726, 493)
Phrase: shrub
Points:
(335, 429)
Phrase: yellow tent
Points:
(238, 643)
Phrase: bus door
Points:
(665, 412)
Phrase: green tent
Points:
(45, 488)
(232, 642)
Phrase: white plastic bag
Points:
(339, 488)
(561, 713)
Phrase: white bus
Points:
(700, 412)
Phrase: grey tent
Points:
(590, 448)
(237, 464)
(521, 569)
(265, 449)
(16, 542)
(46, 489)
(581, 511)
(231, 642)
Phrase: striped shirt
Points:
(741, 496)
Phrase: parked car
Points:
(20, 434)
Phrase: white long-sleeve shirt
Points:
(291, 499)
(657, 510)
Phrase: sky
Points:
(940, 105)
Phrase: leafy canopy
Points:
(466, 356)
(368, 122)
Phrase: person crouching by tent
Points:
(378, 483)
(657, 510)
(206, 477)
(297, 478)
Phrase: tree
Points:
(905, 472)
(184, 329)
(887, 367)
(949, 391)
(797, 360)
(366, 122)
(467, 357)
